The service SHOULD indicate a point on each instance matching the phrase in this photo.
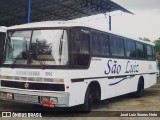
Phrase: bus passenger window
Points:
(149, 53)
(154, 54)
(100, 44)
(140, 50)
(96, 44)
(117, 46)
(130, 49)
(81, 50)
(84, 43)
(105, 45)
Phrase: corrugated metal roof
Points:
(14, 11)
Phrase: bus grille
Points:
(33, 86)
(28, 73)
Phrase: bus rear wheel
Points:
(140, 89)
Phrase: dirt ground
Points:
(148, 105)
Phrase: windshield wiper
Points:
(30, 57)
(19, 57)
(61, 43)
(15, 60)
(41, 63)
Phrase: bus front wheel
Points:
(92, 96)
(88, 102)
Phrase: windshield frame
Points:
(39, 66)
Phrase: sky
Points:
(145, 22)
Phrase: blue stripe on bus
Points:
(118, 81)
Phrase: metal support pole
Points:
(28, 11)
(110, 23)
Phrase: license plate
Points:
(26, 98)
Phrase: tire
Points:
(88, 102)
(140, 89)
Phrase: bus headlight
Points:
(53, 100)
(44, 99)
(58, 80)
(2, 77)
(5, 95)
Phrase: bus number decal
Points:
(48, 73)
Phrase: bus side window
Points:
(84, 43)
(117, 46)
(140, 50)
(149, 52)
(96, 44)
(105, 45)
(81, 47)
(154, 53)
(130, 49)
(100, 44)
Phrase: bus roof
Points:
(49, 24)
(3, 29)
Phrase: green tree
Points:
(144, 39)
(140, 38)
(147, 39)
(157, 45)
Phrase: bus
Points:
(2, 40)
(65, 64)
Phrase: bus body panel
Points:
(112, 85)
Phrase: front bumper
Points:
(34, 96)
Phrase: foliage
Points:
(158, 64)
(145, 39)
(157, 45)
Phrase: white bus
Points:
(64, 64)
(2, 40)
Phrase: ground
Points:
(148, 103)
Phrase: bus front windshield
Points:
(37, 47)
